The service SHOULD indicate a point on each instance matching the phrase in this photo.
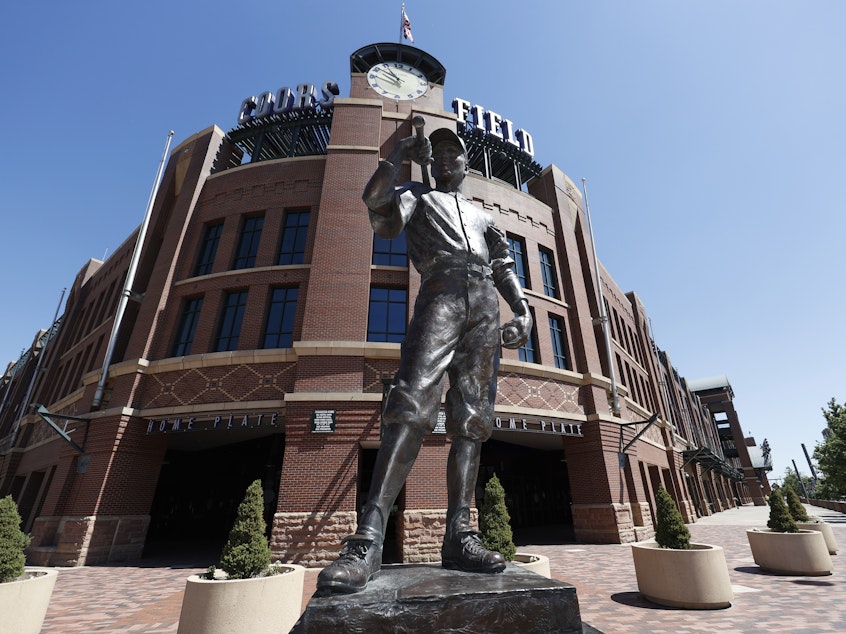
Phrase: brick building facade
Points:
(264, 319)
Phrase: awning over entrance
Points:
(710, 461)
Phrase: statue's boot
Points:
(358, 563)
(463, 549)
(361, 557)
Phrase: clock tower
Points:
(404, 77)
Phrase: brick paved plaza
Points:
(147, 598)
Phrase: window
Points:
(248, 243)
(294, 234)
(615, 325)
(550, 280)
(629, 382)
(279, 331)
(390, 252)
(109, 302)
(636, 352)
(230, 321)
(559, 343)
(627, 336)
(208, 249)
(187, 326)
(517, 250)
(528, 351)
(386, 318)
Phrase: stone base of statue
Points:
(427, 598)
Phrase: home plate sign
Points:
(323, 421)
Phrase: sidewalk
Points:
(147, 598)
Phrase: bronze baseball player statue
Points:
(463, 260)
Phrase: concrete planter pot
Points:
(535, 563)
(696, 578)
(233, 606)
(827, 533)
(803, 553)
(23, 603)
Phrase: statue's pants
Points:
(454, 331)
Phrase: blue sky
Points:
(711, 135)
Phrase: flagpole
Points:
(402, 22)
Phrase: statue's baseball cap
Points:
(442, 135)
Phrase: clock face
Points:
(397, 80)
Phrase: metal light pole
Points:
(25, 404)
(801, 483)
(130, 281)
(603, 314)
(810, 466)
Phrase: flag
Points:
(406, 26)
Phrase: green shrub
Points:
(13, 541)
(246, 553)
(670, 530)
(794, 505)
(495, 522)
(780, 520)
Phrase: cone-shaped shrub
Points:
(13, 541)
(495, 522)
(670, 530)
(794, 504)
(780, 520)
(246, 553)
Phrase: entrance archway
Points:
(537, 490)
(199, 490)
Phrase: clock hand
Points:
(395, 80)
(392, 74)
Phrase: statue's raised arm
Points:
(381, 188)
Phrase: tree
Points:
(794, 504)
(13, 541)
(495, 522)
(246, 553)
(780, 520)
(791, 480)
(830, 454)
(670, 531)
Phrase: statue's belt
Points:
(459, 268)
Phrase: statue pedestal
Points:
(427, 598)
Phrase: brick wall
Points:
(310, 538)
(320, 470)
(603, 523)
(87, 540)
(642, 518)
(421, 533)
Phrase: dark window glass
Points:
(529, 351)
(390, 252)
(248, 243)
(294, 234)
(550, 281)
(517, 249)
(208, 250)
(279, 331)
(187, 326)
(386, 319)
(559, 343)
(230, 321)
(615, 328)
